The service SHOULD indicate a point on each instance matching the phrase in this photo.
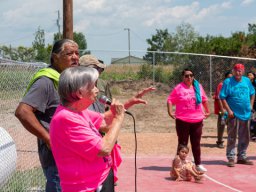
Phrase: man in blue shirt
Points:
(237, 96)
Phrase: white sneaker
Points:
(201, 168)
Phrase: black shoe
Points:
(244, 162)
(220, 144)
(231, 163)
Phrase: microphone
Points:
(106, 101)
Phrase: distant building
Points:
(125, 60)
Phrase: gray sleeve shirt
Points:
(44, 98)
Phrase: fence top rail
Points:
(19, 63)
(179, 53)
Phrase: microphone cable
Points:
(135, 153)
(105, 100)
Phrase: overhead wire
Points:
(103, 35)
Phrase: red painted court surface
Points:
(153, 176)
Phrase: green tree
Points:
(6, 51)
(79, 38)
(184, 37)
(248, 49)
(38, 51)
(219, 45)
(57, 36)
(39, 46)
(236, 41)
(201, 45)
(20, 53)
(25, 54)
(181, 41)
(251, 37)
(227, 46)
(161, 41)
(158, 40)
(251, 28)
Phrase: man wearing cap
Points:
(237, 96)
(103, 86)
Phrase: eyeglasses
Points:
(188, 75)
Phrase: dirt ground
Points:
(155, 130)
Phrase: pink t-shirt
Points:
(185, 100)
(216, 98)
(75, 143)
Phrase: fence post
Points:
(153, 67)
(210, 76)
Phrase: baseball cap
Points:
(89, 60)
(238, 66)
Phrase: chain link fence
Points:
(166, 67)
(27, 175)
(163, 67)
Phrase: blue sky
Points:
(103, 21)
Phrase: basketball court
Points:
(153, 176)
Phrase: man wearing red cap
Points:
(237, 96)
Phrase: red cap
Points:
(238, 66)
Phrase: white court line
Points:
(215, 181)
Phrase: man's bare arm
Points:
(25, 113)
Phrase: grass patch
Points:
(121, 72)
(118, 72)
(23, 181)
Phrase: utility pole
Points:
(58, 25)
(129, 48)
(68, 19)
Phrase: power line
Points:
(138, 36)
(103, 35)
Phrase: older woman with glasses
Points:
(82, 155)
(191, 109)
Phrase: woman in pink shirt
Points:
(191, 108)
(82, 155)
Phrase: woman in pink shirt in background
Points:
(191, 109)
(82, 155)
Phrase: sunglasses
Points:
(189, 75)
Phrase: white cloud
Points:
(109, 16)
(122, 13)
(192, 13)
(209, 12)
(30, 14)
(226, 5)
(247, 2)
(20, 20)
(89, 6)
